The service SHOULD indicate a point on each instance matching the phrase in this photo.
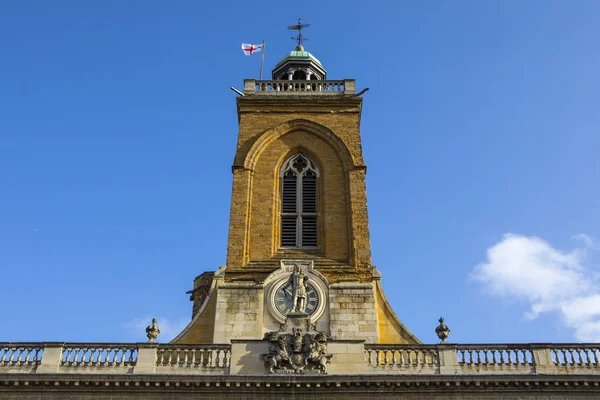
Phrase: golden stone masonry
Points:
(298, 310)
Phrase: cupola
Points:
(299, 65)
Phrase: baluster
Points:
(105, 355)
(223, 363)
(107, 351)
(560, 358)
(210, 358)
(8, 354)
(119, 354)
(4, 353)
(22, 354)
(574, 356)
(193, 359)
(86, 352)
(565, 354)
(29, 357)
(99, 353)
(125, 355)
(584, 356)
(394, 359)
(502, 361)
(89, 353)
(554, 356)
(75, 355)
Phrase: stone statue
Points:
(152, 331)
(298, 281)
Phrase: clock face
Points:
(284, 298)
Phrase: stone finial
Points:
(442, 331)
(152, 331)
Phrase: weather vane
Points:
(298, 27)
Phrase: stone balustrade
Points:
(402, 358)
(20, 357)
(193, 357)
(211, 359)
(97, 357)
(313, 87)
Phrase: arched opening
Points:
(299, 209)
(299, 76)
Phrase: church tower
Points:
(298, 208)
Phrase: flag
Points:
(249, 49)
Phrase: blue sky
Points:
(118, 130)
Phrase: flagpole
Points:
(262, 59)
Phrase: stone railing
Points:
(193, 358)
(484, 359)
(20, 357)
(569, 356)
(513, 358)
(114, 358)
(347, 357)
(402, 358)
(314, 87)
(98, 357)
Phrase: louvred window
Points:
(299, 202)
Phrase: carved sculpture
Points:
(298, 281)
(297, 352)
(442, 331)
(152, 331)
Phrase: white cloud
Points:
(530, 269)
(168, 328)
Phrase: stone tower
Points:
(298, 203)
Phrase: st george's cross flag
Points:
(250, 49)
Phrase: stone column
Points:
(51, 358)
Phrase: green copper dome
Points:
(299, 60)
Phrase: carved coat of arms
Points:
(297, 352)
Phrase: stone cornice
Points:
(315, 385)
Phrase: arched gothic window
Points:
(299, 202)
